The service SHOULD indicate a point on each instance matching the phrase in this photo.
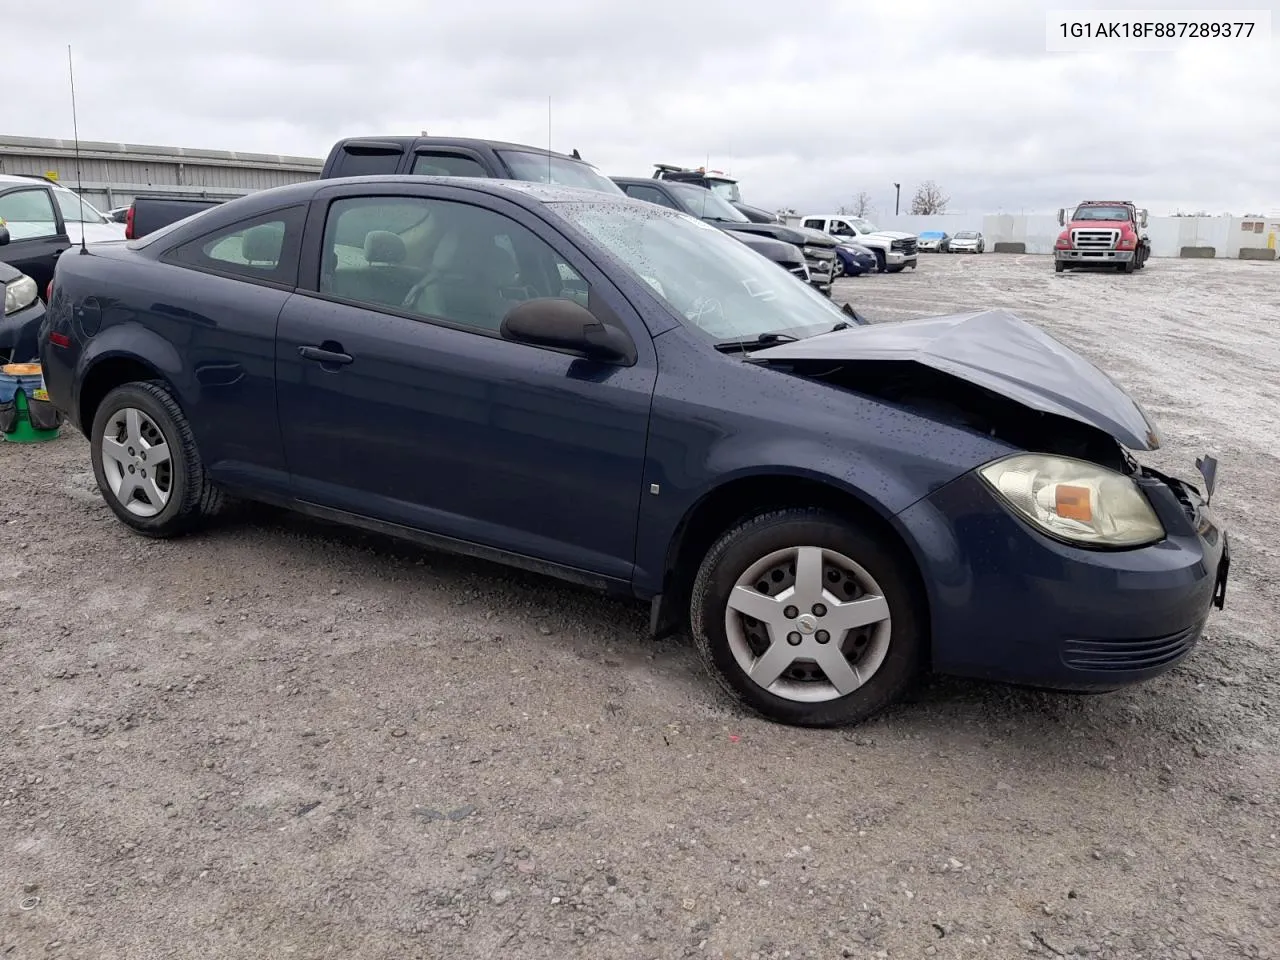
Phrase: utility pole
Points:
(897, 195)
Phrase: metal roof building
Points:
(112, 174)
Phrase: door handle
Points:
(325, 355)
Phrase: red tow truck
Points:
(1102, 233)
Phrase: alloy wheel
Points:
(136, 462)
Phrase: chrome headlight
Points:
(19, 294)
(1075, 500)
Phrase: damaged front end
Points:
(997, 375)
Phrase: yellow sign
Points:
(51, 174)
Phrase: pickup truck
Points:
(894, 249)
(147, 214)
(421, 156)
(1102, 233)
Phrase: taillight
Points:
(59, 339)
(48, 292)
(128, 223)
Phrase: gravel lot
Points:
(283, 739)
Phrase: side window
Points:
(28, 214)
(816, 223)
(447, 165)
(356, 162)
(264, 248)
(841, 229)
(71, 207)
(439, 260)
(650, 195)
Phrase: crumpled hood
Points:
(996, 350)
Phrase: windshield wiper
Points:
(764, 340)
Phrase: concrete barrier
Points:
(1198, 253)
(1257, 253)
(1006, 247)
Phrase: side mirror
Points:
(564, 324)
(1142, 218)
(4, 234)
(1062, 219)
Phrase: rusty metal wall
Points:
(112, 174)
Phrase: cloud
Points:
(807, 107)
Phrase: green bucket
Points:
(26, 415)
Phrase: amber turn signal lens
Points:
(1073, 503)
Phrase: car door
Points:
(400, 401)
(37, 234)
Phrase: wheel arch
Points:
(120, 354)
(739, 497)
(104, 374)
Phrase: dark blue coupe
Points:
(621, 395)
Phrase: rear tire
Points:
(838, 565)
(146, 462)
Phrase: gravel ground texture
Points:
(283, 739)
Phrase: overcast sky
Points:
(805, 104)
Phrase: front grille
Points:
(800, 270)
(1120, 656)
(908, 247)
(1094, 239)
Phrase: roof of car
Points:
(15, 178)
(540, 192)
(460, 142)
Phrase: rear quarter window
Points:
(263, 248)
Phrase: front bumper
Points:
(20, 333)
(1009, 603)
(1085, 257)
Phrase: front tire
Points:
(835, 635)
(880, 261)
(1058, 266)
(146, 462)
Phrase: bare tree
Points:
(862, 204)
(929, 199)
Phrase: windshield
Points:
(715, 283)
(69, 203)
(542, 168)
(967, 235)
(727, 189)
(1101, 213)
(707, 204)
